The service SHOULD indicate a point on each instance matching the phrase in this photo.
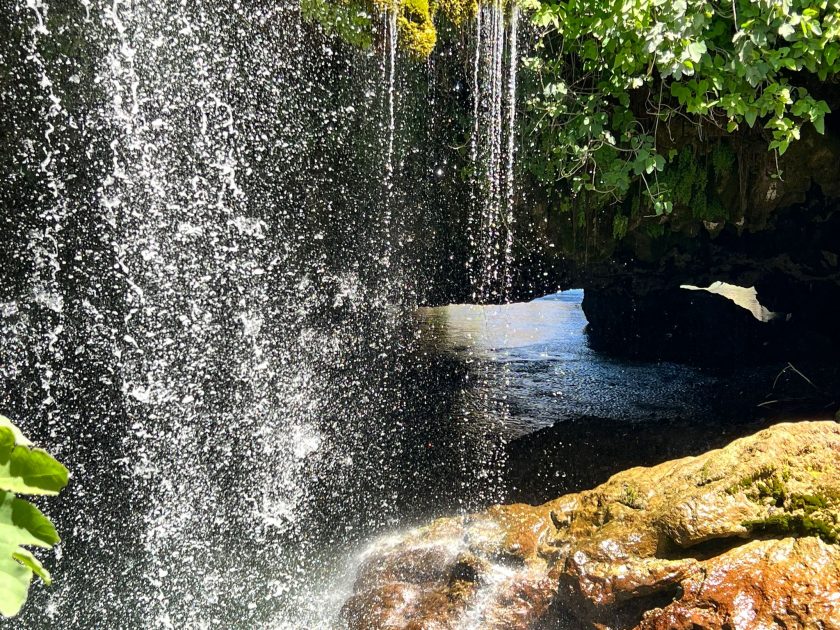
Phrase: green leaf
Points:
(819, 124)
(28, 470)
(14, 582)
(696, 51)
(750, 115)
(34, 471)
(28, 559)
(20, 438)
(786, 31)
(21, 523)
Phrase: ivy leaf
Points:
(659, 162)
(696, 51)
(786, 31)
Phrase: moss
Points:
(341, 18)
(416, 21)
(753, 479)
(457, 11)
(794, 525)
(723, 160)
(620, 223)
(688, 178)
(655, 230)
(417, 32)
(808, 503)
(631, 498)
(706, 475)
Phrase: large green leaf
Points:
(27, 470)
(20, 438)
(32, 471)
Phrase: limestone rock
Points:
(745, 535)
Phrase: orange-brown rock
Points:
(767, 584)
(745, 535)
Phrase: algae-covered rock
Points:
(748, 532)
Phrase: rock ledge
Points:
(745, 537)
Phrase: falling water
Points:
(45, 241)
(391, 48)
(513, 64)
(196, 318)
(391, 70)
(476, 86)
(493, 158)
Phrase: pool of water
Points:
(546, 372)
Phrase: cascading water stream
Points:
(390, 51)
(510, 190)
(492, 149)
(199, 321)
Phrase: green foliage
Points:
(353, 20)
(344, 19)
(30, 471)
(612, 75)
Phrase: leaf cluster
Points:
(25, 470)
(608, 76)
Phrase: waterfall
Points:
(492, 150)
(390, 49)
(232, 319)
(513, 62)
(207, 308)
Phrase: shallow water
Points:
(539, 353)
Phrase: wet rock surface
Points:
(743, 537)
(787, 583)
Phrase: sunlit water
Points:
(539, 351)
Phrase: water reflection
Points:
(547, 372)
